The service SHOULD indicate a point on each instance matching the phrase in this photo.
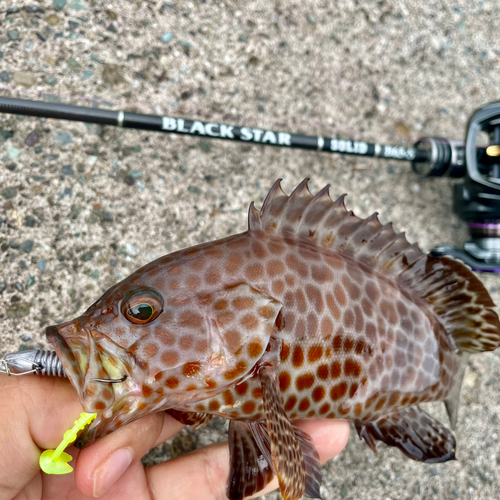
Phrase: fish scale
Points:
(311, 313)
(349, 362)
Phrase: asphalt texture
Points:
(82, 206)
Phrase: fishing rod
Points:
(437, 153)
(476, 200)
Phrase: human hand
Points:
(35, 412)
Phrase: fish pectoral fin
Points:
(295, 460)
(417, 434)
(311, 460)
(195, 419)
(251, 466)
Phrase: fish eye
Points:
(142, 307)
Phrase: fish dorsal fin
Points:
(457, 297)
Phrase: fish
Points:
(311, 313)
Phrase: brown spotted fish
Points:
(310, 313)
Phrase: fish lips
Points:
(72, 352)
(85, 359)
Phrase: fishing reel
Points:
(477, 199)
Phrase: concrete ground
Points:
(82, 206)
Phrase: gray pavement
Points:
(82, 206)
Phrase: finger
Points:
(48, 403)
(131, 486)
(101, 464)
(34, 412)
(202, 474)
(328, 441)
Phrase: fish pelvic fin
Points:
(418, 435)
(251, 467)
(456, 296)
(295, 460)
(195, 419)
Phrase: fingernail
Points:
(111, 470)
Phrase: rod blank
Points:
(212, 130)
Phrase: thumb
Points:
(34, 414)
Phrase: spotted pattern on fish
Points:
(351, 320)
(363, 347)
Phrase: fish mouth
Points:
(73, 364)
(89, 359)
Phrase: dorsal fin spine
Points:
(325, 231)
(254, 220)
(275, 191)
(340, 201)
(322, 196)
(356, 231)
(300, 190)
(386, 227)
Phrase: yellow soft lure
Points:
(56, 461)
